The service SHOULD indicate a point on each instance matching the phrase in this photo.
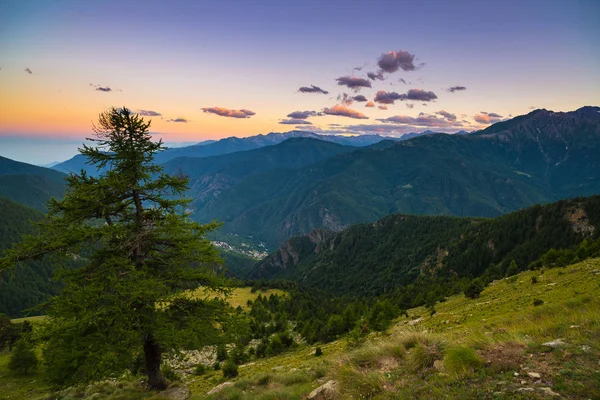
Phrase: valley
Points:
(412, 265)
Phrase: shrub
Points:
(474, 289)
(538, 302)
(169, 373)
(461, 360)
(217, 366)
(534, 279)
(318, 352)
(23, 358)
(221, 353)
(367, 356)
(357, 384)
(421, 357)
(201, 369)
(230, 369)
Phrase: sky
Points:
(211, 69)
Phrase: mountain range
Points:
(288, 184)
(232, 145)
(28, 184)
(541, 157)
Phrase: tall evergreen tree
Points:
(141, 251)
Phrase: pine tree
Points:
(141, 252)
(23, 358)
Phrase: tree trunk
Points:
(153, 357)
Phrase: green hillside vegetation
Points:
(29, 184)
(490, 347)
(537, 158)
(30, 283)
(401, 255)
(209, 176)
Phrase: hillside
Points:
(231, 145)
(537, 158)
(30, 283)
(29, 184)
(499, 346)
(398, 250)
(210, 176)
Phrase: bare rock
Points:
(220, 387)
(177, 393)
(327, 391)
(554, 343)
(438, 365)
(534, 375)
(549, 392)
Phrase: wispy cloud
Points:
(353, 82)
(225, 112)
(453, 89)
(295, 121)
(447, 115)
(28, 71)
(487, 118)
(423, 120)
(394, 60)
(376, 76)
(180, 120)
(382, 107)
(103, 89)
(359, 98)
(343, 111)
(345, 99)
(312, 89)
(149, 113)
(302, 114)
(384, 97)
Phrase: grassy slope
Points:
(502, 328)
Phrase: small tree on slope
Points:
(140, 251)
(23, 359)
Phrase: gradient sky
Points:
(176, 58)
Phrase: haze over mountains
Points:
(232, 145)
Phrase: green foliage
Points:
(230, 369)
(421, 357)
(200, 369)
(461, 360)
(30, 185)
(23, 359)
(169, 373)
(221, 352)
(474, 289)
(140, 252)
(31, 282)
(513, 268)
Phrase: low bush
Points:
(461, 360)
